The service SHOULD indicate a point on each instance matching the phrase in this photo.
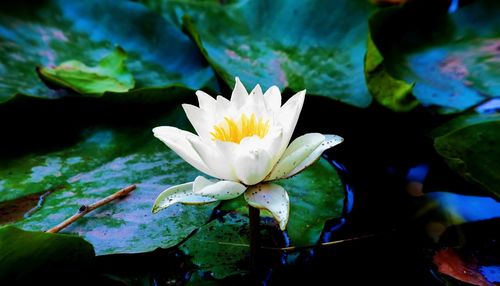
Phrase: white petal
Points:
(271, 197)
(297, 159)
(176, 139)
(201, 120)
(272, 98)
(288, 116)
(206, 102)
(272, 142)
(223, 108)
(256, 92)
(252, 164)
(219, 190)
(297, 152)
(239, 95)
(179, 194)
(213, 159)
(255, 103)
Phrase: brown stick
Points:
(84, 209)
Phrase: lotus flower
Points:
(243, 143)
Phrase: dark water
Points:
(387, 163)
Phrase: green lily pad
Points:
(110, 74)
(316, 196)
(162, 60)
(107, 159)
(453, 59)
(221, 246)
(26, 255)
(294, 44)
(470, 147)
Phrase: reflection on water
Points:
(453, 6)
(489, 107)
(464, 208)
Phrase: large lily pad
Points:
(295, 44)
(160, 56)
(106, 160)
(29, 256)
(453, 59)
(470, 147)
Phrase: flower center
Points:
(230, 130)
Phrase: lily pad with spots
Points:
(294, 44)
(106, 160)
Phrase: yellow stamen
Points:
(230, 130)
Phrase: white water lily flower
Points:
(243, 143)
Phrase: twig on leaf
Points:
(85, 209)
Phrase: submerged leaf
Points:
(450, 263)
(110, 74)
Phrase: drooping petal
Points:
(272, 98)
(219, 190)
(239, 95)
(251, 164)
(288, 116)
(213, 159)
(179, 194)
(200, 119)
(301, 153)
(206, 102)
(176, 139)
(271, 197)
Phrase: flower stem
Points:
(84, 209)
(254, 214)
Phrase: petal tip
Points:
(283, 225)
(157, 130)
